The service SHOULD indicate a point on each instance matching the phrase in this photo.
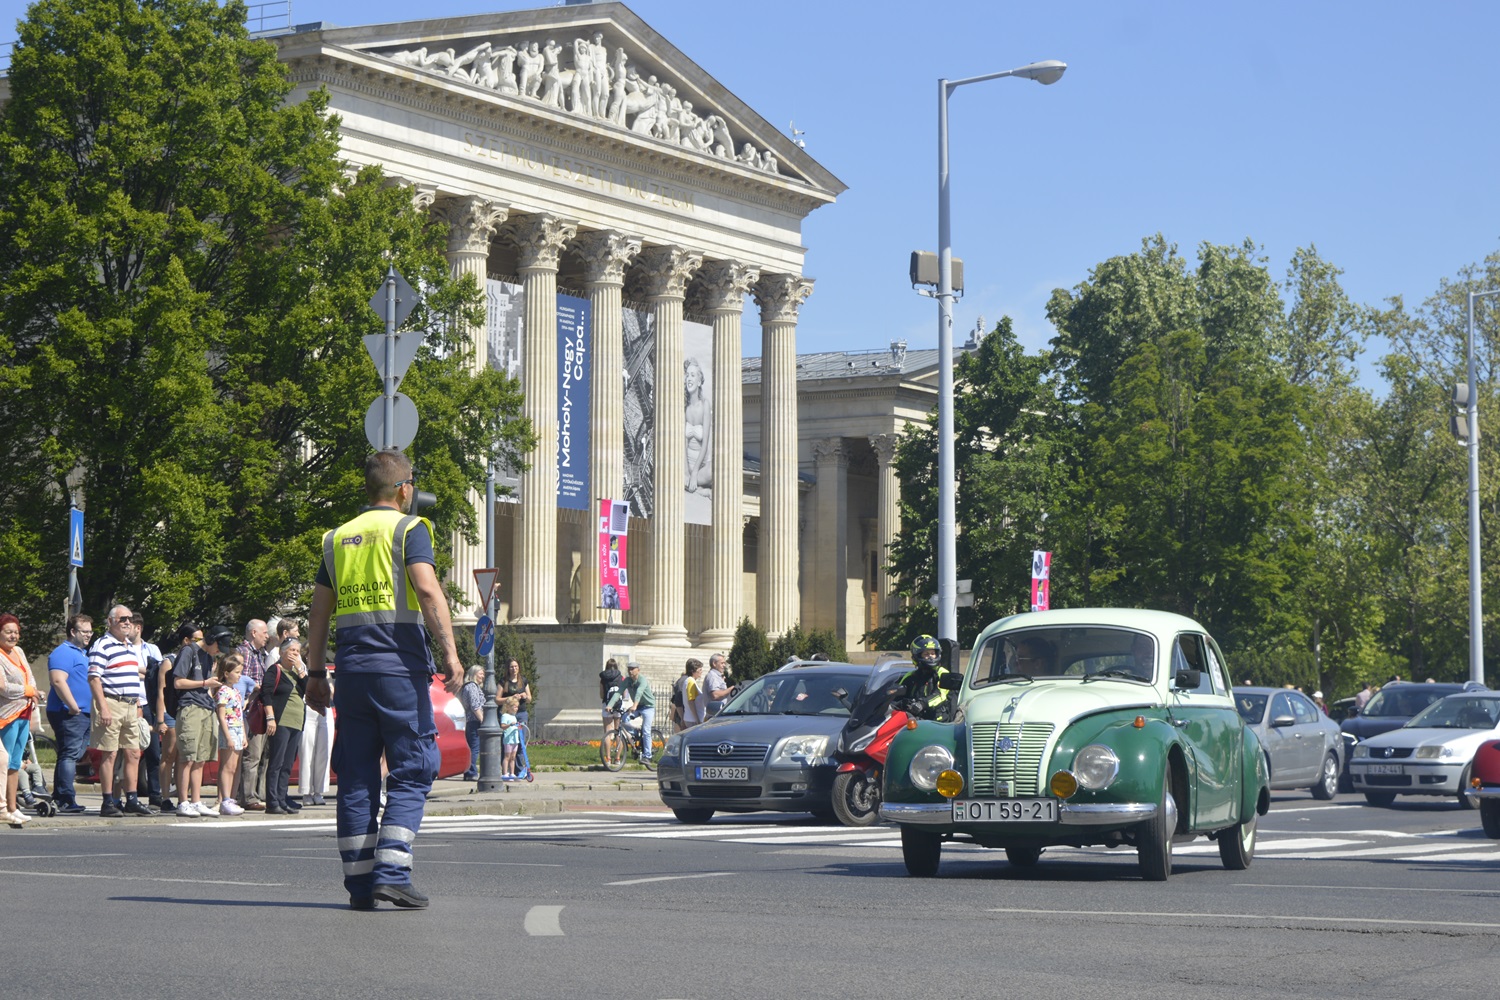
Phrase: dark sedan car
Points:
(770, 748)
(1391, 708)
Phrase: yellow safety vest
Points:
(366, 561)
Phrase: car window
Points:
(1065, 651)
(1305, 711)
(1401, 701)
(1457, 712)
(1187, 654)
(797, 693)
(1216, 668)
(1251, 707)
(1281, 706)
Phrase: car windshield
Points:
(1458, 712)
(798, 692)
(1251, 706)
(1401, 701)
(1065, 651)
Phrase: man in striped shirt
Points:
(119, 695)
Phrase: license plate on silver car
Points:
(1005, 810)
(722, 773)
(1384, 769)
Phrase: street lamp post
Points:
(1476, 607)
(1046, 72)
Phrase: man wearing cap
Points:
(193, 677)
(378, 584)
(636, 696)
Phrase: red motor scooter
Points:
(861, 752)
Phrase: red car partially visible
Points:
(447, 712)
(1484, 785)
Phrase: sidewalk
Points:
(551, 792)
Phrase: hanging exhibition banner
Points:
(614, 585)
(1041, 580)
(698, 421)
(640, 410)
(573, 371)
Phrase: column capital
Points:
(540, 239)
(472, 221)
(830, 450)
(780, 296)
(721, 286)
(663, 272)
(606, 254)
(885, 447)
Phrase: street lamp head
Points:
(1046, 72)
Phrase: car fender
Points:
(898, 786)
(1144, 753)
(1255, 783)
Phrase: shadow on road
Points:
(195, 901)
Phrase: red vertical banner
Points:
(614, 580)
(1041, 580)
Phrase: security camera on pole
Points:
(391, 421)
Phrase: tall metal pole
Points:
(1476, 606)
(388, 436)
(491, 739)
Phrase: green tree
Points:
(750, 654)
(185, 264)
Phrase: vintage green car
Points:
(1083, 727)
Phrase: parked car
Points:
(770, 748)
(1432, 753)
(1484, 785)
(1390, 708)
(1304, 748)
(1081, 727)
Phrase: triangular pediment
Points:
(599, 63)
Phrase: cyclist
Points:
(637, 698)
(921, 685)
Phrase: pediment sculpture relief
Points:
(585, 79)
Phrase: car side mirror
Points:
(950, 682)
(1187, 678)
(1282, 721)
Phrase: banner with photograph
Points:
(698, 421)
(640, 410)
(505, 329)
(1041, 580)
(614, 586)
(573, 374)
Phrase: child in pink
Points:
(231, 712)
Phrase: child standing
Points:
(511, 727)
(230, 709)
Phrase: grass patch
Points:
(570, 754)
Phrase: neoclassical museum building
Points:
(624, 211)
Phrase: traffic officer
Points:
(378, 584)
(923, 684)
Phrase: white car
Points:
(1431, 754)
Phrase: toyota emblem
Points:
(725, 749)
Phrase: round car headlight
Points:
(926, 764)
(1096, 766)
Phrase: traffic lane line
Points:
(544, 921)
(1179, 917)
(333, 860)
(1367, 888)
(670, 878)
(142, 878)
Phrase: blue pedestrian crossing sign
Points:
(75, 537)
(484, 635)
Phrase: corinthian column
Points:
(664, 274)
(472, 222)
(605, 257)
(540, 239)
(721, 287)
(887, 522)
(779, 296)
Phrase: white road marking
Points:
(542, 921)
(669, 878)
(797, 838)
(1300, 844)
(1407, 851)
(139, 878)
(1366, 887)
(1307, 809)
(1384, 922)
(44, 857)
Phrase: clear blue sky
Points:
(1360, 127)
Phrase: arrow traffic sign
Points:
(407, 345)
(406, 299)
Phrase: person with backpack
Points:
(610, 680)
(162, 699)
(195, 685)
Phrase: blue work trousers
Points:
(72, 732)
(391, 715)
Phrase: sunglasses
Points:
(405, 482)
(128, 618)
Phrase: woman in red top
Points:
(17, 699)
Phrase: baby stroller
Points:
(35, 797)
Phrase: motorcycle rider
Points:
(921, 685)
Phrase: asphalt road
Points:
(1343, 900)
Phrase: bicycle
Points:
(625, 739)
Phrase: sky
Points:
(1360, 128)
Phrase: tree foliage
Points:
(185, 265)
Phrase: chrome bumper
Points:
(1487, 792)
(1096, 814)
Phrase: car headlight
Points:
(1096, 766)
(1428, 753)
(1361, 751)
(926, 764)
(801, 749)
(674, 746)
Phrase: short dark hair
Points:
(75, 622)
(285, 625)
(383, 470)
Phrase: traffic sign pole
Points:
(390, 358)
(392, 419)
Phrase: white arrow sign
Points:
(407, 346)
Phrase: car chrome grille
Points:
(1020, 766)
(1390, 753)
(738, 753)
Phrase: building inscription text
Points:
(609, 181)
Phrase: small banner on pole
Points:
(1041, 580)
(614, 586)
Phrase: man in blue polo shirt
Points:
(68, 706)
